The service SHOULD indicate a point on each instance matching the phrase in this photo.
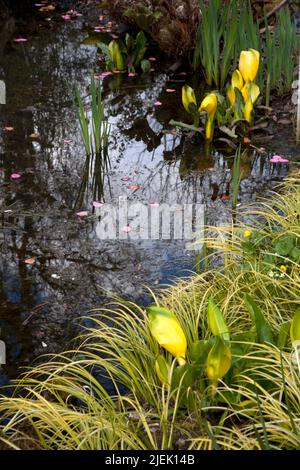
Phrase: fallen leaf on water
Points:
(34, 135)
(30, 260)
(182, 73)
(82, 213)
(15, 176)
(47, 8)
(55, 276)
(97, 204)
(225, 197)
(20, 40)
(278, 159)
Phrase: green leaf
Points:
(284, 245)
(199, 351)
(186, 374)
(295, 253)
(215, 320)
(263, 330)
(145, 65)
(295, 327)
(162, 369)
(283, 334)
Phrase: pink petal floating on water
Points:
(66, 17)
(78, 14)
(158, 103)
(152, 59)
(68, 141)
(20, 40)
(278, 159)
(101, 17)
(153, 204)
(170, 90)
(133, 186)
(97, 204)
(131, 74)
(125, 178)
(82, 213)
(15, 176)
(126, 229)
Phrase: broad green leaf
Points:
(162, 369)
(186, 373)
(295, 327)
(199, 351)
(215, 320)
(263, 330)
(284, 245)
(283, 334)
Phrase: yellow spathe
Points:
(166, 330)
(188, 97)
(249, 64)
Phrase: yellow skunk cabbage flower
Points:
(236, 82)
(218, 360)
(249, 64)
(209, 105)
(252, 91)
(250, 94)
(188, 97)
(166, 329)
(116, 55)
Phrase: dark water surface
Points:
(40, 303)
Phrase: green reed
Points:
(94, 128)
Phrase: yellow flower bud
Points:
(188, 97)
(249, 64)
(237, 80)
(209, 105)
(218, 360)
(283, 268)
(247, 233)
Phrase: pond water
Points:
(68, 268)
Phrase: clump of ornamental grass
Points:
(233, 330)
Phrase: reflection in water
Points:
(40, 303)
